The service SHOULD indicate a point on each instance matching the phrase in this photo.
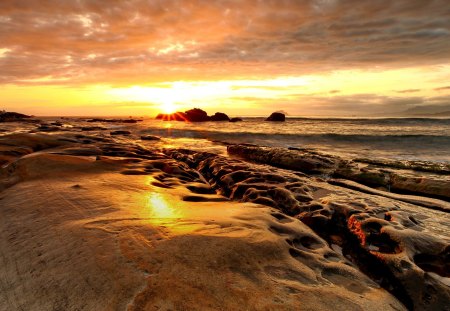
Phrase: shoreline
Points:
(80, 210)
(410, 141)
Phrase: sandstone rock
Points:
(92, 128)
(120, 133)
(150, 137)
(395, 243)
(296, 160)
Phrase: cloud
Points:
(352, 105)
(115, 41)
(408, 91)
(442, 88)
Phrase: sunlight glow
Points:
(168, 107)
(160, 208)
(294, 94)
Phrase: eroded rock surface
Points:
(388, 176)
(91, 223)
(407, 253)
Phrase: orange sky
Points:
(316, 57)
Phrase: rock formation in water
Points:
(276, 117)
(219, 116)
(235, 119)
(195, 115)
(12, 116)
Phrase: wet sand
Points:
(90, 222)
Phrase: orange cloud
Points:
(137, 41)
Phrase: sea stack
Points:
(277, 117)
(219, 116)
(194, 115)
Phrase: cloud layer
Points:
(119, 42)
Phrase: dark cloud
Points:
(162, 39)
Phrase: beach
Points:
(98, 215)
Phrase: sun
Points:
(168, 107)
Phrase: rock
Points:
(433, 186)
(115, 229)
(277, 116)
(150, 137)
(219, 116)
(235, 120)
(197, 115)
(120, 133)
(393, 242)
(12, 116)
(309, 163)
(93, 128)
(48, 128)
(114, 120)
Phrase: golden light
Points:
(168, 107)
(160, 208)
(231, 96)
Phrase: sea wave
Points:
(289, 138)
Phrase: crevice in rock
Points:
(356, 228)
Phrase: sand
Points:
(93, 223)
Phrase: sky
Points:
(303, 57)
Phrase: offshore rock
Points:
(197, 115)
(236, 120)
(219, 116)
(277, 116)
(12, 116)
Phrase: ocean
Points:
(422, 139)
(419, 139)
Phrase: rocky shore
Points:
(96, 221)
